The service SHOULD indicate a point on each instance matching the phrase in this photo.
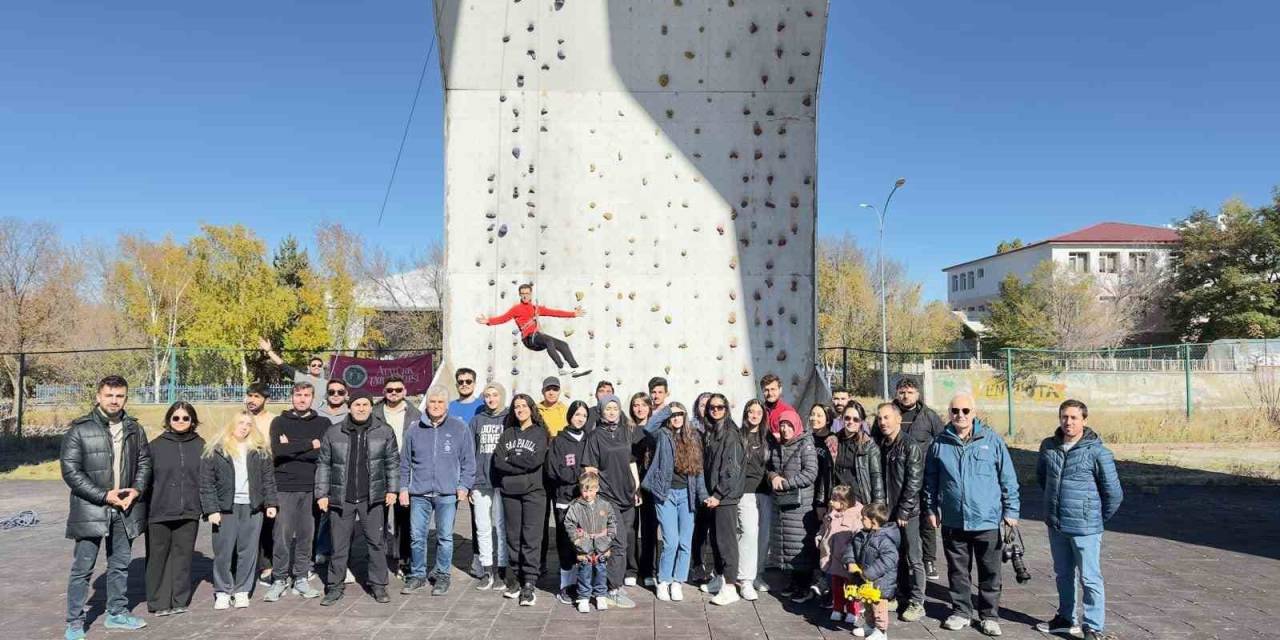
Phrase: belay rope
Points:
(20, 520)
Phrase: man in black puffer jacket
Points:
(106, 462)
(903, 469)
(358, 475)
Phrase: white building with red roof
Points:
(1112, 252)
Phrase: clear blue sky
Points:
(1008, 118)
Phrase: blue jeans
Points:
(420, 510)
(1076, 561)
(86, 555)
(593, 578)
(676, 520)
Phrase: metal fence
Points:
(1017, 385)
(196, 375)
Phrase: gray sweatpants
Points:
(236, 537)
(293, 532)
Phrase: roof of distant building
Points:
(1101, 233)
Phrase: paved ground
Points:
(1180, 563)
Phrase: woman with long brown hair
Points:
(675, 480)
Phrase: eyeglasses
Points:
(465, 382)
(180, 419)
(337, 392)
(852, 420)
(394, 390)
(961, 410)
(316, 365)
(717, 407)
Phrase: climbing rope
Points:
(20, 520)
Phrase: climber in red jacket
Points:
(525, 314)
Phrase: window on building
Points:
(1140, 261)
(981, 272)
(1078, 261)
(955, 282)
(982, 308)
(970, 279)
(1108, 262)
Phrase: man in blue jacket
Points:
(437, 470)
(1081, 491)
(970, 487)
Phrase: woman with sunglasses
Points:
(642, 561)
(755, 509)
(674, 481)
(724, 454)
(173, 519)
(857, 461)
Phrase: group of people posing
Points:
(847, 504)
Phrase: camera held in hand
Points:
(1014, 552)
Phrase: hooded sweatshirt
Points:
(295, 460)
(609, 449)
(519, 458)
(486, 430)
(564, 464)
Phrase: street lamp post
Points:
(884, 325)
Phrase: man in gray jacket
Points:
(107, 464)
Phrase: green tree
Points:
(236, 298)
(344, 263)
(1006, 246)
(1227, 273)
(1055, 308)
(1018, 317)
(307, 326)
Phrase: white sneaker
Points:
(955, 622)
(850, 618)
(677, 592)
(629, 581)
(650, 582)
(584, 605)
(221, 601)
(351, 578)
(748, 592)
(727, 595)
(663, 591)
(566, 372)
(602, 603)
(877, 635)
(859, 631)
(761, 585)
(836, 616)
(241, 600)
(713, 585)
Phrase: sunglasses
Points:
(852, 420)
(316, 365)
(462, 382)
(337, 392)
(180, 419)
(717, 407)
(394, 390)
(962, 410)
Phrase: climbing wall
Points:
(651, 161)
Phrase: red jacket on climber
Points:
(526, 316)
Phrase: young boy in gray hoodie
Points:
(592, 524)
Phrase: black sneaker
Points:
(1090, 634)
(566, 596)
(931, 570)
(441, 586)
(511, 589)
(1057, 625)
(486, 580)
(413, 585)
(333, 596)
(527, 596)
(380, 594)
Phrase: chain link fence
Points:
(59, 384)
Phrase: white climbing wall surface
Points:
(653, 161)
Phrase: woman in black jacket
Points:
(857, 460)
(518, 462)
(173, 519)
(564, 467)
(237, 484)
(755, 510)
(724, 476)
